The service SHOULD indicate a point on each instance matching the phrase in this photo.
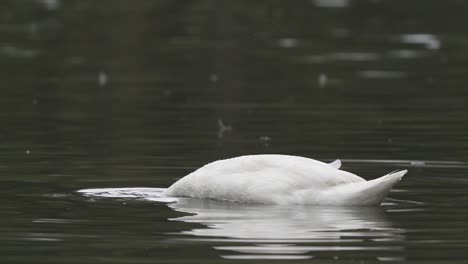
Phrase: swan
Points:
(283, 180)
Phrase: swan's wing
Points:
(336, 164)
(260, 179)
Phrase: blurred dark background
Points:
(143, 84)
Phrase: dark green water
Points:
(118, 94)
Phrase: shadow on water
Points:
(254, 231)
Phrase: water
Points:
(121, 94)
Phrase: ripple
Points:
(133, 192)
(430, 41)
(288, 42)
(292, 249)
(343, 56)
(56, 221)
(331, 3)
(16, 52)
(253, 257)
(407, 54)
(412, 163)
(374, 74)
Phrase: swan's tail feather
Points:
(374, 191)
(397, 175)
(336, 164)
(366, 192)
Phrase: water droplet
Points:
(331, 3)
(103, 78)
(76, 60)
(265, 140)
(51, 4)
(223, 128)
(214, 78)
(33, 28)
(287, 42)
(322, 80)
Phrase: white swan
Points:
(282, 179)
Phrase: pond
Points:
(122, 98)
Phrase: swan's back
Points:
(271, 179)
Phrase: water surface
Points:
(121, 94)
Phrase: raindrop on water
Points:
(265, 140)
(214, 78)
(223, 128)
(287, 42)
(103, 78)
(51, 4)
(322, 80)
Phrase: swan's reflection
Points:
(279, 232)
(233, 220)
(285, 232)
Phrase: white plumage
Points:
(282, 179)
